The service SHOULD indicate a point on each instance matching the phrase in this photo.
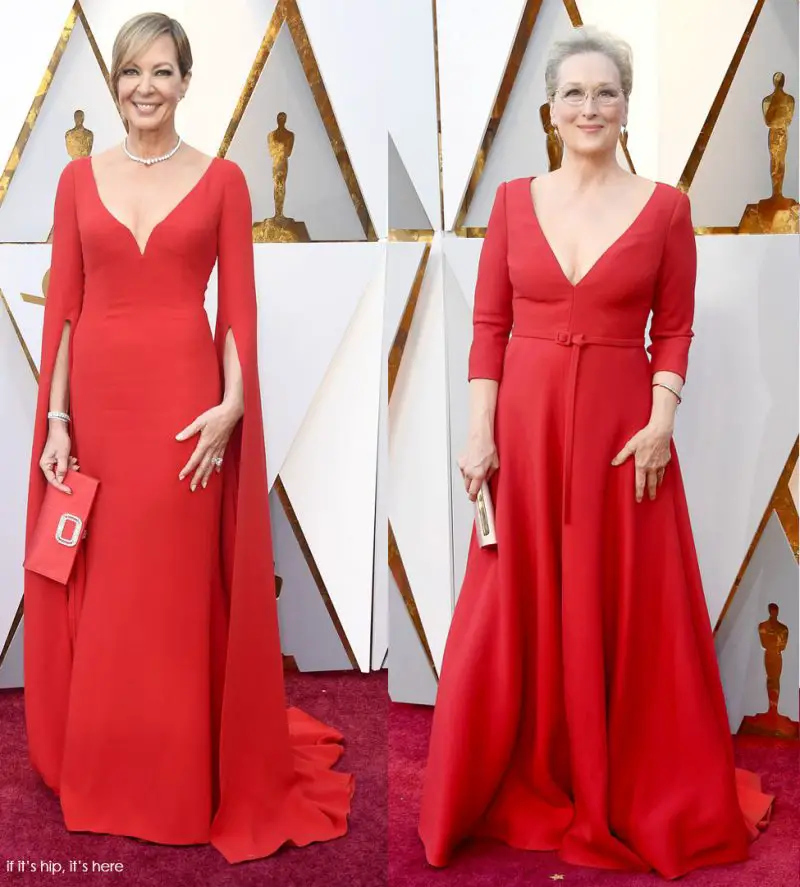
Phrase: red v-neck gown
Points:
(580, 707)
(153, 682)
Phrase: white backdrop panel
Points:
(308, 295)
(696, 44)
(25, 62)
(419, 495)
(739, 417)
(22, 269)
(350, 44)
(27, 212)
(474, 45)
(17, 407)
(412, 98)
(735, 169)
(330, 472)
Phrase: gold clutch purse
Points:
(484, 517)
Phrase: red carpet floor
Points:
(31, 827)
(775, 858)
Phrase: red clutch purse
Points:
(60, 527)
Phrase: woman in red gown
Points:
(154, 691)
(580, 707)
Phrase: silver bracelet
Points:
(62, 417)
(669, 388)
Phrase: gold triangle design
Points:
(524, 31)
(688, 174)
(287, 12)
(435, 13)
(401, 336)
(782, 503)
(76, 14)
(291, 516)
(404, 587)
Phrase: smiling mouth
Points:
(144, 106)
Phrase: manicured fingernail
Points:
(193, 487)
(180, 477)
(205, 484)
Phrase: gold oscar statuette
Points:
(555, 147)
(79, 139)
(775, 214)
(774, 636)
(279, 228)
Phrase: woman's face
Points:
(150, 86)
(589, 108)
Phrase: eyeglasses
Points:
(576, 95)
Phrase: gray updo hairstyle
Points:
(590, 39)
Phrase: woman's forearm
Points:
(233, 399)
(59, 386)
(482, 406)
(664, 401)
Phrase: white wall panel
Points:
(474, 45)
(351, 48)
(24, 62)
(307, 298)
(739, 417)
(419, 496)
(17, 407)
(330, 472)
(697, 43)
(412, 98)
(22, 270)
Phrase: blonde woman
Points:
(580, 707)
(153, 681)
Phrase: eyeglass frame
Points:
(559, 93)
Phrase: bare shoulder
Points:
(195, 158)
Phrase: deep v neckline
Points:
(604, 253)
(143, 251)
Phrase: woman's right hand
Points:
(56, 458)
(478, 463)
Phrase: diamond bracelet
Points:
(62, 417)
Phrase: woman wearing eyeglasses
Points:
(580, 707)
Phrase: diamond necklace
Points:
(149, 161)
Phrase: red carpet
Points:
(775, 858)
(31, 827)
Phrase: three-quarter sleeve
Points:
(673, 304)
(492, 311)
(65, 286)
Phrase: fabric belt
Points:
(575, 341)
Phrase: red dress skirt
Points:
(580, 707)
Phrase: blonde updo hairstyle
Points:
(590, 39)
(138, 33)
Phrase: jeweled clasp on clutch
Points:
(76, 532)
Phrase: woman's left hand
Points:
(215, 427)
(650, 448)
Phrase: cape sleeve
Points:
(673, 305)
(275, 781)
(492, 311)
(48, 609)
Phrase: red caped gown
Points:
(580, 706)
(154, 693)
